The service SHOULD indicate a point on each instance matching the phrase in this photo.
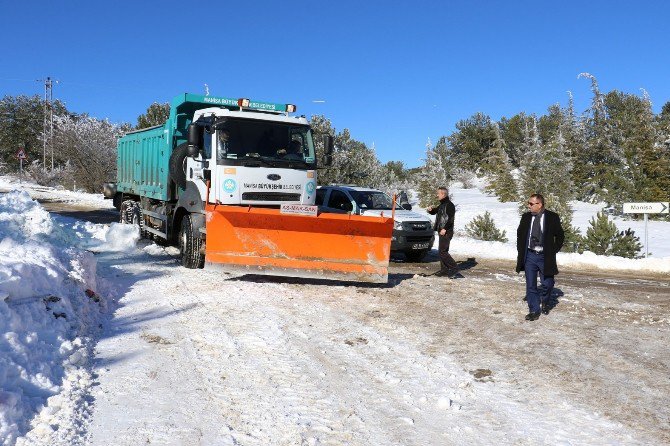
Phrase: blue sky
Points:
(394, 73)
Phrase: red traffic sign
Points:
(21, 154)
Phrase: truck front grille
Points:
(270, 196)
(418, 239)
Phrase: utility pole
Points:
(47, 82)
(51, 121)
(48, 120)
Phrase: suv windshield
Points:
(274, 142)
(372, 200)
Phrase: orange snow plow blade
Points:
(327, 246)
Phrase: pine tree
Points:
(627, 244)
(501, 183)
(156, 114)
(653, 158)
(482, 227)
(470, 141)
(601, 167)
(512, 130)
(437, 170)
(573, 133)
(546, 169)
(534, 166)
(603, 238)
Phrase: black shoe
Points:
(532, 316)
(455, 275)
(545, 308)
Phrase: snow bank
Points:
(47, 320)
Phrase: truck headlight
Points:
(397, 225)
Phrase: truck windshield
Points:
(274, 142)
(372, 200)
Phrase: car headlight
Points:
(397, 225)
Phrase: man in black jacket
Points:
(444, 225)
(538, 239)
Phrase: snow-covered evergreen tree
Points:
(546, 170)
(601, 165)
(533, 165)
(353, 161)
(501, 182)
(652, 160)
(436, 171)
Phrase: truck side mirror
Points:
(328, 144)
(194, 139)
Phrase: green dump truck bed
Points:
(142, 163)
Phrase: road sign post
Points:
(21, 155)
(660, 207)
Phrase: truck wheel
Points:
(177, 165)
(136, 219)
(416, 256)
(126, 212)
(190, 244)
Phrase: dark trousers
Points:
(446, 261)
(535, 264)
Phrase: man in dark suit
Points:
(444, 225)
(538, 239)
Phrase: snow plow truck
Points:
(232, 183)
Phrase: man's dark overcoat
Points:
(552, 241)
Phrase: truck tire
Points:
(190, 245)
(125, 213)
(136, 219)
(416, 256)
(131, 214)
(177, 172)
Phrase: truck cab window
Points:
(207, 144)
(222, 144)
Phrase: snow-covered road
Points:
(166, 355)
(192, 357)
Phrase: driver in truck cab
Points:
(294, 151)
(224, 143)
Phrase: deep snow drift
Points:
(47, 319)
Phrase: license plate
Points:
(420, 246)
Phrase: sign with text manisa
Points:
(646, 208)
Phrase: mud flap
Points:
(328, 246)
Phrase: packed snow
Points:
(105, 339)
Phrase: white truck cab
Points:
(254, 158)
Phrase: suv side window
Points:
(339, 200)
(320, 196)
